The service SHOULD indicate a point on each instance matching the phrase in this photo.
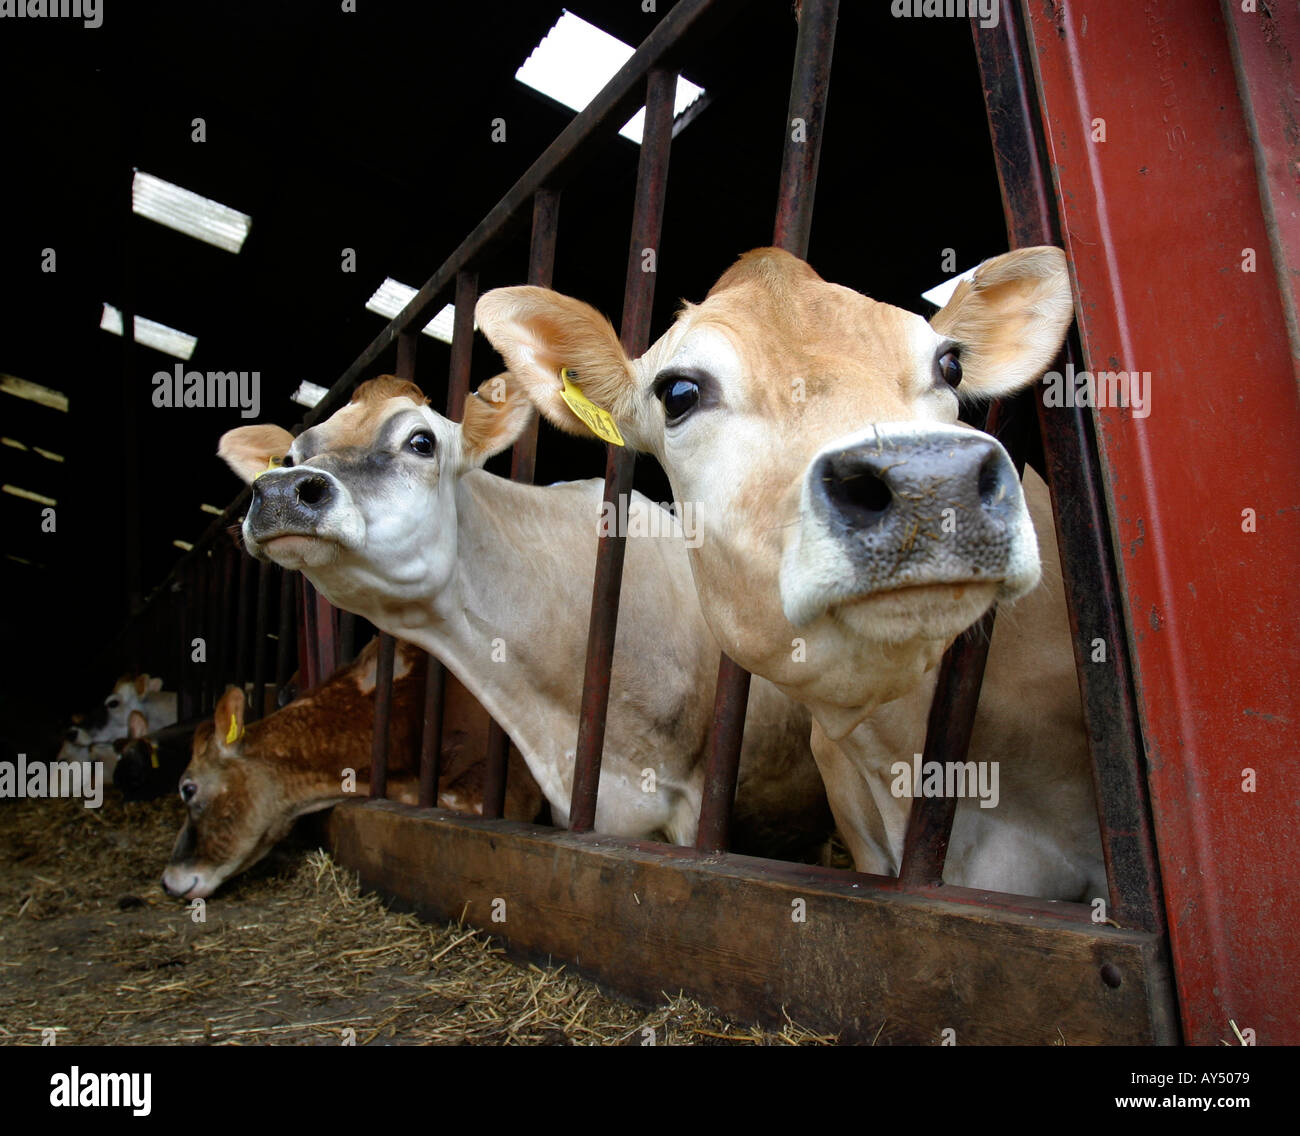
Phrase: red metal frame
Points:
(1156, 219)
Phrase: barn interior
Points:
(378, 131)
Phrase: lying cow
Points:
(246, 783)
(141, 693)
(815, 433)
(385, 509)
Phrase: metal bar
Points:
(285, 631)
(685, 26)
(541, 271)
(523, 463)
(308, 659)
(242, 608)
(327, 637)
(187, 705)
(803, 126)
(714, 833)
(383, 712)
(431, 736)
(1093, 595)
(638, 298)
(212, 630)
(462, 344)
(258, 702)
(801, 155)
(347, 637)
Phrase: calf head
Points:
(237, 809)
(850, 526)
(111, 720)
(364, 503)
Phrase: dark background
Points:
(372, 131)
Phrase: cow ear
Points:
(155, 685)
(137, 725)
(228, 718)
(495, 415)
(141, 682)
(250, 450)
(541, 333)
(1010, 319)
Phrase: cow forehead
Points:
(784, 326)
(359, 425)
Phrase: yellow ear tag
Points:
(597, 420)
(153, 753)
(271, 463)
(234, 733)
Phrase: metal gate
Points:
(876, 959)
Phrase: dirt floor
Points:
(288, 953)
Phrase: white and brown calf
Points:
(246, 784)
(851, 527)
(385, 508)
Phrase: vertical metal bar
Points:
(523, 463)
(327, 639)
(1092, 592)
(187, 705)
(541, 271)
(212, 629)
(308, 659)
(638, 299)
(224, 565)
(242, 608)
(257, 705)
(284, 646)
(383, 713)
(431, 736)
(803, 125)
(462, 343)
(802, 153)
(347, 637)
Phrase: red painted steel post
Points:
(327, 638)
(308, 658)
(801, 155)
(242, 609)
(523, 461)
(1200, 471)
(638, 297)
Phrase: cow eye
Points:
(950, 369)
(188, 789)
(421, 444)
(679, 396)
(114, 703)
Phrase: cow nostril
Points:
(992, 480)
(861, 497)
(312, 490)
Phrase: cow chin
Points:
(939, 611)
(298, 551)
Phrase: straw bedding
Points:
(289, 953)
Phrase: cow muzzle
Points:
(305, 504)
(898, 508)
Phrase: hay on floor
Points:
(289, 953)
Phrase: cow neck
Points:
(521, 551)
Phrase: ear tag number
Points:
(598, 421)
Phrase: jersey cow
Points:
(245, 785)
(385, 509)
(850, 528)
